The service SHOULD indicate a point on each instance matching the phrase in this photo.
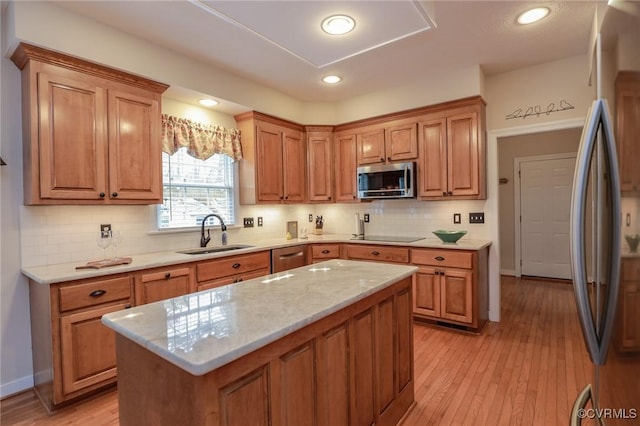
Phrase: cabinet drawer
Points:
(380, 253)
(631, 269)
(234, 265)
(232, 279)
(164, 274)
(94, 293)
(325, 251)
(446, 258)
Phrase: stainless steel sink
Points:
(216, 249)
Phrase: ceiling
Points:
(279, 44)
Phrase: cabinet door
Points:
(72, 137)
(371, 147)
(426, 293)
(88, 349)
(161, 285)
(456, 287)
(630, 316)
(401, 142)
(628, 134)
(432, 171)
(320, 165)
(293, 166)
(463, 155)
(134, 147)
(346, 163)
(269, 162)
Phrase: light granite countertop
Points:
(202, 331)
(51, 274)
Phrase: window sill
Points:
(189, 230)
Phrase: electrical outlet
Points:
(248, 222)
(260, 221)
(457, 218)
(310, 217)
(366, 218)
(105, 230)
(476, 217)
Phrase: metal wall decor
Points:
(537, 110)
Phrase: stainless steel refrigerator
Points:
(605, 271)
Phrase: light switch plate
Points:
(248, 222)
(476, 217)
(260, 221)
(457, 218)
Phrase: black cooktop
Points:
(390, 238)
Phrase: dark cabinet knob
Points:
(382, 159)
(325, 251)
(97, 293)
(354, 197)
(102, 195)
(167, 275)
(444, 192)
(240, 280)
(375, 253)
(329, 197)
(235, 265)
(127, 306)
(235, 280)
(449, 193)
(114, 194)
(439, 258)
(286, 198)
(388, 158)
(281, 197)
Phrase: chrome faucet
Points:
(205, 240)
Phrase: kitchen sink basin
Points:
(217, 249)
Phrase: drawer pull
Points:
(240, 280)
(114, 194)
(375, 253)
(439, 258)
(325, 251)
(97, 293)
(167, 275)
(127, 306)
(102, 195)
(235, 265)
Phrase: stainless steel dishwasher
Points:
(286, 258)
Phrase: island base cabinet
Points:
(353, 367)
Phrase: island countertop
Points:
(202, 331)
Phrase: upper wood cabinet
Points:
(320, 163)
(452, 154)
(628, 129)
(91, 134)
(394, 142)
(345, 165)
(273, 167)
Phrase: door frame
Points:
(517, 161)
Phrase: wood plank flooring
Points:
(525, 370)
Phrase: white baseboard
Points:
(509, 272)
(17, 386)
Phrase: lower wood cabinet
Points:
(164, 283)
(321, 252)
(353, 367)
(378, 253)
(73, 353)
(229, 270)
(628, 327)
(451, 286)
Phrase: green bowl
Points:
(633, 241)
(449, 236)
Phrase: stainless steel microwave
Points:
(387, 181)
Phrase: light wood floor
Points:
(525, 370)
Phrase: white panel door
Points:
(545, 203)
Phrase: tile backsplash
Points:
(62, 234)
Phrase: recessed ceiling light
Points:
(533, 15)
(207, 102)
(332, 79)
(338, 24)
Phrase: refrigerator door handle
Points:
(597, 345)
(578, 412)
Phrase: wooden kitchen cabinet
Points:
(627, 88)
(163, 283)
(451, 286)
(73, 353)
(397, 141)
(378, 253)
(345, 167)
(452, 153)
(273, 167)
(628, 328)
(320, 163)
(218, 272)
(321, 252)
(91, 134)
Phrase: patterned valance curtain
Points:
(201, 140)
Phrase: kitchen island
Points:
(325, 344)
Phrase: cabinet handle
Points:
(354, 197)
(97, 293)
(444, 193)
(388, 158)
(114, 194)
(382, 159)
(235, 265)
(281, 197)
(240, 280)
(375, 253)
(235, 280)
(326, 251)
(167, 275)
(439, 258)
(286, 198)
(102, 195)
(329, 197)
(449, 192)
(127, 306)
